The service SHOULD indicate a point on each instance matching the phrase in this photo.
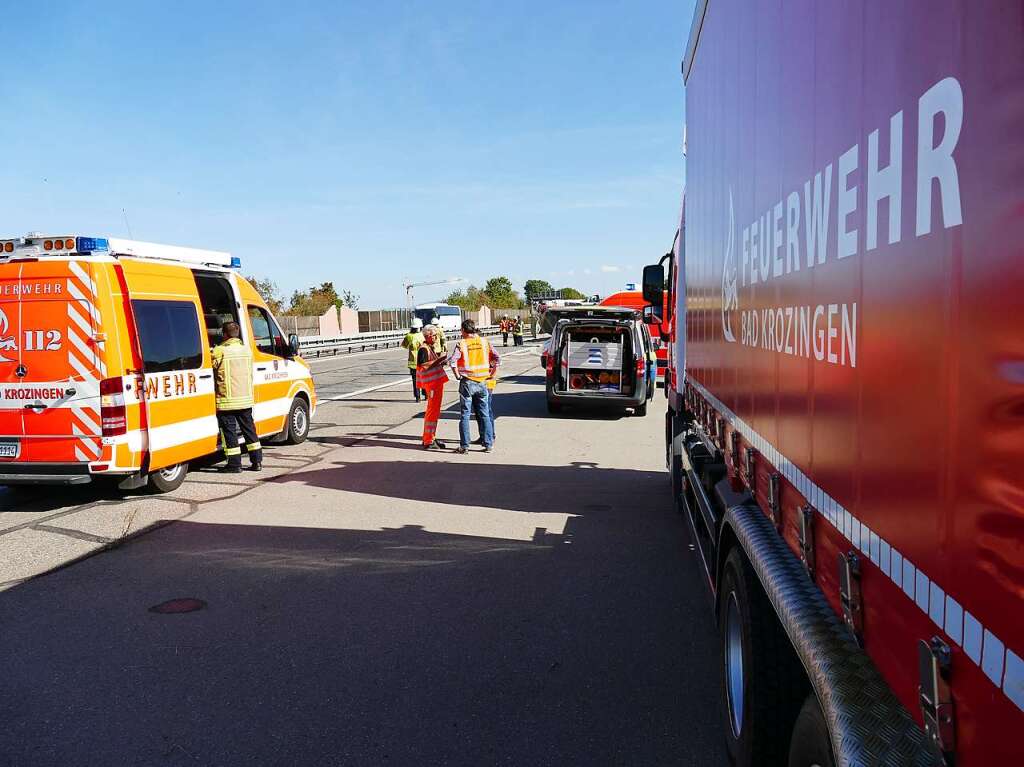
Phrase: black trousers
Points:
(415, 388)
(504, 338)
(235, 422)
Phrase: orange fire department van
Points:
(105, 367)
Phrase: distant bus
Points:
(445, 316)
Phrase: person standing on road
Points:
(505, 327)
(232, 375)
(473, 361)
(412, 342)
(517, 331)
(431, 377)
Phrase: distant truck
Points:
(445, 316)
(634, 299)
(845, 422)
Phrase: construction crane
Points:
(410, 285)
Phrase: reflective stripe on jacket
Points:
(232, 372)
(431, 376)
(475, 358)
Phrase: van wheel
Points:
(168, 479)
(298, 422)
(761, 674)
(640, 410)
(554, 407)
(811, 745)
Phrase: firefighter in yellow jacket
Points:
(232, 373)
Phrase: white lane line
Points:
(403, 380)
(531, 350)
(339, 357)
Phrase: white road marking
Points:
(403, 380)
(336, 357)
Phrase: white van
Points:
(445, 316)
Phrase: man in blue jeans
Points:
(473, 362)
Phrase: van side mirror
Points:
(293, 345)
(654, 284)
(652, 315)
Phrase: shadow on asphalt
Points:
(592, 645)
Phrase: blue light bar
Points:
(236, 262)
(91, 244)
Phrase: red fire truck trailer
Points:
(846, 423)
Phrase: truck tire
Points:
(168, 479)
(298, 422)
(764, 683)
(811, 745)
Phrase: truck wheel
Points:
(760, 670)
(811, 745)
(168, 479)
(554, 407)
(298, 422)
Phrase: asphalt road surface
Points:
(366, 603)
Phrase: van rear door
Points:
(51, 362)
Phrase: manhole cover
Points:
(177, 606)
(597, 507)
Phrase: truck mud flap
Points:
(868, 725)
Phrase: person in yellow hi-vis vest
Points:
(412, 342)
(232, 374)
(474, 361)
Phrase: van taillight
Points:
(113, 415)
(641, 366)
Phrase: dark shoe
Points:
(256, 467)
(461, 450)
(231, 470)
(487, 449)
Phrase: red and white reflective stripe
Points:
(85, 354)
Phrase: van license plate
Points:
(10, 448)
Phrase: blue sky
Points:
(362, 143)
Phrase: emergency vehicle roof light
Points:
(236, 262)
(91, 244)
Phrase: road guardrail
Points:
(324, 346)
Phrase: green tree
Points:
(536, 287)
(268, 291)
(313, 302)
(470, 298)
(573, 294)
(349, 299)
(500, 294)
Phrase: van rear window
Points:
(169, 335)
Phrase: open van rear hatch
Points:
(596, 356)
(51, 362)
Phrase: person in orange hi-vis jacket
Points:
(431, 378)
